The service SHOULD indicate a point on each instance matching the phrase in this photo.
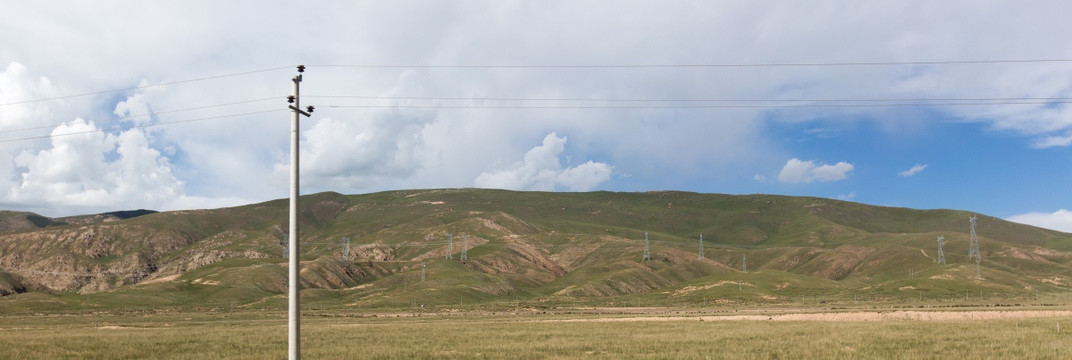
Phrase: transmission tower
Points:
(941, 250)
(647, 252)
(286, 248)
(423, 265)
(701, 247)
(744, 262)
(450, 246)
(346, 248)
(465, 247)
(973, 248)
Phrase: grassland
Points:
(526, 335)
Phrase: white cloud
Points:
(1052, 141)
(88, 170)
(360, 150)
(797, 171)
(914, 170)
(847, 197)
(584, 177)
(541, 170)
(1060, 220)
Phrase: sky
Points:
(116, 105)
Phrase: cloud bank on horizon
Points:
(987, 137)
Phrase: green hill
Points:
(533, 246)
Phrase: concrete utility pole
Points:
(293, 308)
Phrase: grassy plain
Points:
(661, 334)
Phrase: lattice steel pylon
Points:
(450, 246)
(346, 249)
(701, 247)
(973, 249)
(647, 252)
(465, 247)
(941, 249)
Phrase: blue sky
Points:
(795, 101)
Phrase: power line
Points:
(139, 125)
(711, 106)
(125, 117)
(447, 98)
(100, 92)
(697, 65)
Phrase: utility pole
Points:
(450, 246)
(701, 247)
(293, 308)
(346, 250)
(647, 253)
(973, 248)
(465, 247)
(286, 246)
(941, 250)
(744, 262)
(423, 265)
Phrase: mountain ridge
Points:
(533, 244)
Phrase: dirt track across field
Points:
(898, 315)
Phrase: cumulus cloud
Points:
(797, 171)
(88, 170)
(914, 170)
(1060, 220)
(541, 170)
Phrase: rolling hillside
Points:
(535, 246)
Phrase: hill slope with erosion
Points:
(530, 245)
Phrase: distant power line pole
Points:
(647, 252)
(346, 249)
(744, 262)
(293, 308)
(973, 248)
(450, 246)
(465, 247)
(941, 249)
(423, 265)
(701, 247)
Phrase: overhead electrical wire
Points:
(567, 66)
(710, 106)
(701, 65)
(108, 91)
(163, 123)
(124, 117)
(367, 97)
